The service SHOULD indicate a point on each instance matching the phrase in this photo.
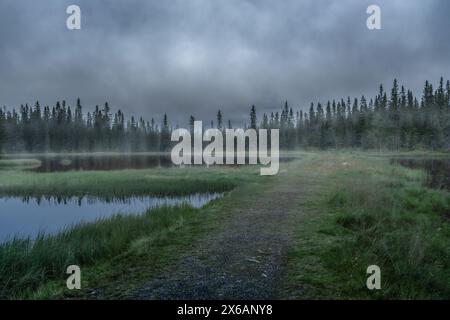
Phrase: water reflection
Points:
(27, 216)
(106, 162)
(97, 162)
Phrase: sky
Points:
(183, 57)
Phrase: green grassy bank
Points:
(26, 266)
(12, 164)
(122, 183)
(371, 213)
(111, 247)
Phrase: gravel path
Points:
(244, 260)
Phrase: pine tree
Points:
(265, 122)
(2, 128)
(219, 120)
(253, 119)
(165, 134)
(191, 123)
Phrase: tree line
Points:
(394, 120)
(390, 121)
(59, 129)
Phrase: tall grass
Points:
(363, 211)
(384, 216)
(25, 265)
(19, 163)
(106, 184)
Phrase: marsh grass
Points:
(19, 163)
(36, 269)
(383, 215)
(27, 265)
(121, 183)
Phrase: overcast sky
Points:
(193, 56)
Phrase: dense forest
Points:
(394, 120)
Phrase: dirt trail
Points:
(244, 260)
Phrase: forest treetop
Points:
(393, 120)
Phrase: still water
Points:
(106, 162)
(26, 217)
(101, 162)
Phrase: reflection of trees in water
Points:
(196, 200)
(105, 163)
(67, 163)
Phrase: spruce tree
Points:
(219, 120)
(253, 118)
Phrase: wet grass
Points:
(373, 213)
(110, 247)
(19, 164)
(116, 255)
(121, 183)
(26, 266)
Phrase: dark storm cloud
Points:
(193, 56)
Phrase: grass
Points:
(19, 163)
(108, 249)
(358, 210)
(116, 255)
(372, 213)
(25, 265)
(120, 183)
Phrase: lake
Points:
(67, 162)
(23, 217)
(438, 170)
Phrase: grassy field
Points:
(358, 210)
(119, 183)
(367, 212)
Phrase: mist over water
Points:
(68, 162)
(103, 162)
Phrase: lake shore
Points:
(341, 211)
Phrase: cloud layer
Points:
(193, 57)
